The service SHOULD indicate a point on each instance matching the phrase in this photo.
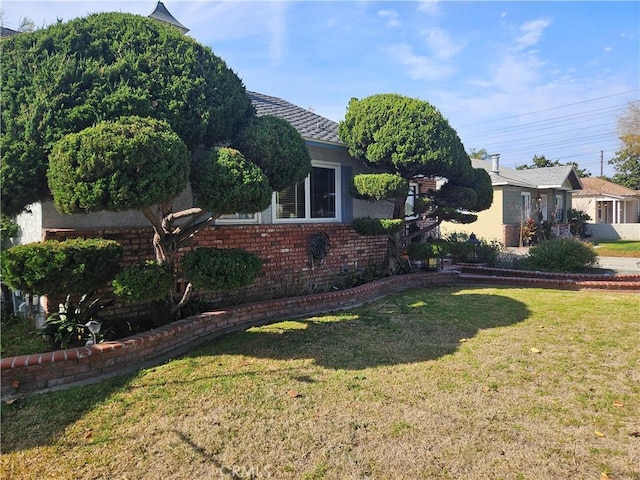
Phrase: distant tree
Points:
(540, 161)
(481, 154)
(582, 172)
(117, 111)
(404, 138)
(627, 159)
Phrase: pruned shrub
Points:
(376, 226)
(560, 255)
(145, 282)
(429, 249)
(58, 268)
(378, 186)
(217, 269)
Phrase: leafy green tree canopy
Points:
(406, 136)
(130, 163)
(627, 159)
(70, 76)
(273, 145)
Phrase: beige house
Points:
(607, 202)
(540, 194)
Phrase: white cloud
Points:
(441, 44)
(391, 16)
(431, 7)
(531, 33)
(419, 67)
(608, 49)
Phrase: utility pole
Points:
(602, 163)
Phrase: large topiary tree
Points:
(406, 138)
(117, 111)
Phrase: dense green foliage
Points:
(225, 182)
(376, 226)
(145, 282)
(275, 147)
(404, 135)
(216, 269)
(560, 255)
(430, 249)
(118, 165)
(69, 76)
(374, 187)
(58, 268)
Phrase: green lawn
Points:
(618, 248)
(440, 383)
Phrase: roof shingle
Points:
(311, 126)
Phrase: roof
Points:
(162, 14)
(546, 177)
(7, 32)
(600, 186)
(310, 125)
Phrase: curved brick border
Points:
(63, 368)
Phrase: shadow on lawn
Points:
(412, 326)
(407, 327)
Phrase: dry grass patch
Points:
(472, 383)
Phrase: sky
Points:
(517, 78)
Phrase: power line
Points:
(553, 108)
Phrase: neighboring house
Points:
(608, 202)
(541, 194)
(614, 209)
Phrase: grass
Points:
(441, 383)
(618, 248)
(19, 338)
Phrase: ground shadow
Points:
(412, 326)
(408, 327)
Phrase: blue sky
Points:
(516, 78)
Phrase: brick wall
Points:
(284, 249)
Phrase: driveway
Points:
(620, 264)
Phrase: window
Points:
(411, 200)
(559, 208)
(316, 197)
(526, 204)
(239, 218)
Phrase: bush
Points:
(216, 269)
(68, 327)
(376, 226)
(560, 255)
(59, 268)
(578, 222)
(145, 282)
(429, 249)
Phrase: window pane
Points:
(290, 202)
(323, 192)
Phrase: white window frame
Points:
(307, 191)
(239, 221)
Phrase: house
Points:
(614, 209)
(541, 194)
